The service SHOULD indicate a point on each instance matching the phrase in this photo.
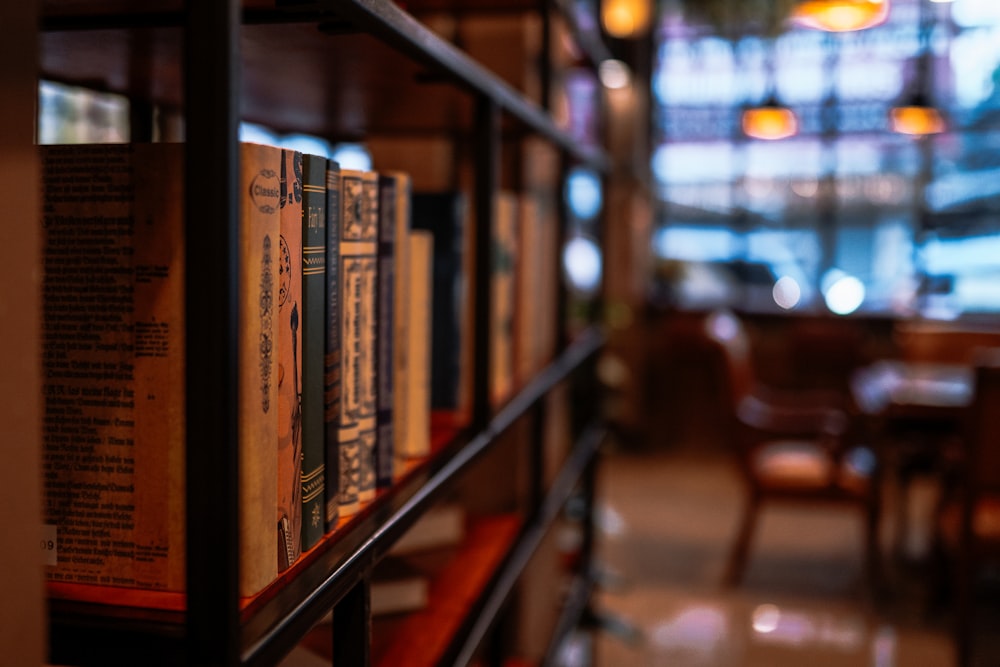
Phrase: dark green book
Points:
(313, 347)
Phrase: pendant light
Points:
(770, 120)
(840, 15)
(915, 114)
(626, 19)
(916, 117)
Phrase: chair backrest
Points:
(725, 329)
(983, 432)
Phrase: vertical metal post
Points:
(22, 294)
(211, 100)
(140, 120)
(352, 626)
(536, 441)
(588, 493)
(486, 145)
(545, 66)
(562, 235)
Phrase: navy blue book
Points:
(444, 214)
(389, 188)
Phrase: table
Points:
(914, 413)
(909, 389)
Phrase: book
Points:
(314, 173)
(260, 228)
(358, 271)
(420, 323)
(536, 286)
(398, 586)
(503, 271)
(389, 186)
(529, 271)
(401, 318)
(114, 368)
(444, 214)
(441, 526)
(289, 275)
(332, 351)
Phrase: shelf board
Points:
(422, 638)
(337, 70)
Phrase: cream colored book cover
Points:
(260, 231)
(419, 348)
(358, 262)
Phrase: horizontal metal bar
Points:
(287, 631)
(562, 488)
(398, 29)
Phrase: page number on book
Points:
(50, 544)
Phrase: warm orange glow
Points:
(916, 120)
(840, 15)
(626, 18)
(770, 122)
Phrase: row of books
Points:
(344, 275)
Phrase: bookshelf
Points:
(343, 69)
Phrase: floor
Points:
(666, 521)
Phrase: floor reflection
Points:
(803, 602)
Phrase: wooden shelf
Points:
(341, 69)
(276, 619)
(424, 637)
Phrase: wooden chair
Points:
(969, 521)
(793, 447)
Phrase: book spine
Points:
(388, 186)
(332, 350)
(313, 346)
(401, 319)
(369, 339)
(358, 241)
(289, 517)
(420, 309)
(113, 365)
(260, 230)
(502, 284)
(443, 214)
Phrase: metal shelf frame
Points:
(214, 631)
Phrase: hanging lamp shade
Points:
(916, 116)
(626, 18)
(840, 15)
(770, 121)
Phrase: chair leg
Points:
(873, 550)
(964, 610)
(741, 548)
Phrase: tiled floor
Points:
(667, 520)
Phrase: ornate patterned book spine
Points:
(260, 232)
(358, 241)
(332, 350)
(290, 315)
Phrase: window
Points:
(916, 222)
